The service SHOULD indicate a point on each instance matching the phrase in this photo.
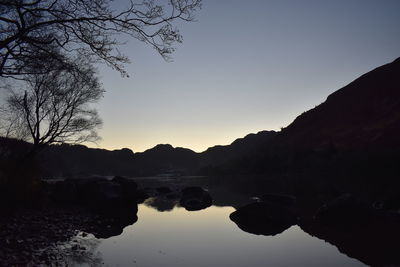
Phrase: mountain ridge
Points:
(360, 119)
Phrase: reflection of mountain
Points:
(372, 240)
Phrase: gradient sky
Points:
(244, 66)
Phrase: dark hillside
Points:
(364, 113)
(251, 143)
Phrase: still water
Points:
(206, 238)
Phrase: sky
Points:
(244, 67)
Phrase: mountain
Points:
(356, 129)
(163, 159)
(357, 126)
(167, 160)
(251, 143)
(364, 113)
(78, 160)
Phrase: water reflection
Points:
(166, 234)
(161, 203)
(208, 238)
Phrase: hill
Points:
(357, 127)
(364, 113)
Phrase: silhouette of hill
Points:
(357, 127)
(166, 160)
(364, 113)
(250, 144)
(358, 124)
(78, 160)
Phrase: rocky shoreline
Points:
(28, 237)
(80, 207)
(79, 211)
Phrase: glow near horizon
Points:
(244, 67)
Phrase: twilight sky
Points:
(244, 66)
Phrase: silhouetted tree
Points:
(37, 29)
(54, 105)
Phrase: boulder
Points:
(64, 192)
(104, 196)
(99, 194)
(161, 203)
(279, 199)
(72, 191)
(263, 218)
(173, 195)
(163, 190)
(195, 198)
(140, 196)
(128, 186)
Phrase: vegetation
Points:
(54, 106)
(33, 30)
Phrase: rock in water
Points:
(280, 199)
(263, 218)
(195, 198)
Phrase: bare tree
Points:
(54, 106)
(33, 28)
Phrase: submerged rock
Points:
(263, 218)
(195, 198)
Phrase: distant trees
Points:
(54, 106)
(33, 30)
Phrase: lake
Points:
(203, 238)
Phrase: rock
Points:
(262, 218)
(279, 199)
(65, 192)
(161, 203)
(163, 190)
(343, 210)
(389, 203)
(82, 186)
(103, 196)
(173, 196)
(128, 186)
(195, 198)
(140, 196)
(99, 194)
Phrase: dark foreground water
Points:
(202, 238)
